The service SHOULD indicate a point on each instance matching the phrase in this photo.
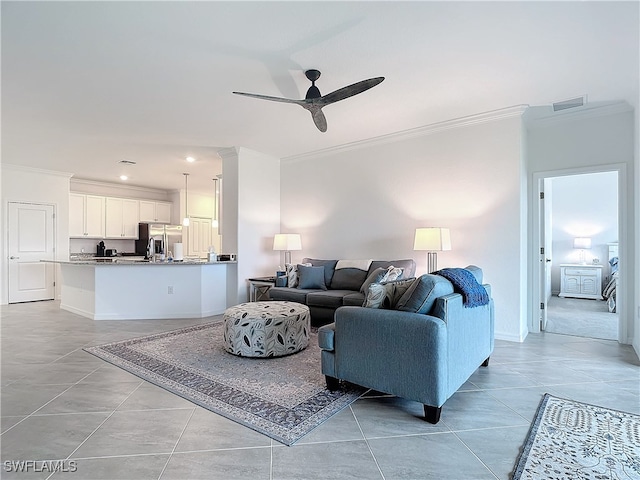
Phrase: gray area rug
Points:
(284, 398)
(574, 440)
(581, 318)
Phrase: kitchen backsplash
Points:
(88, 245)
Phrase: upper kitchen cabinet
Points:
(86, 216)
(121, 218)
(158, 212)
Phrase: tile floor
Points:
(60, 403)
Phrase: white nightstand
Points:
(581, 281)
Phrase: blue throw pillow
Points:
(311, 277)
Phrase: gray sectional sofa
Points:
(335, 283)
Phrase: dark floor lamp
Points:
(433, 240)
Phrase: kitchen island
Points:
(134, 290)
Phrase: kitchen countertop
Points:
(121, 261)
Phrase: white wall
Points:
(583, 206)
(251, 213)
(36, 186)
(587, 141)
(365, 201)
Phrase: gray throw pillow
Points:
(374, 277)
(311, 277)
(386, 295)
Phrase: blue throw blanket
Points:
(464, 282)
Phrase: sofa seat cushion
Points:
(298, 295)
(422, 294)
(329, 298)
(355, 299)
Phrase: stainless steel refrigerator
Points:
(160, 237)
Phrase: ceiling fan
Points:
(314, 101)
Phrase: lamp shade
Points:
(287, 241)
(432, 238)
(582, 242)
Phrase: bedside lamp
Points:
(287, 242)
(582, 243)
(432, 239)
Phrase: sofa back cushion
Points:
(421, 295)
(408, 266)
(350, 274)
(329, 267)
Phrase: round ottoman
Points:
(266, 329)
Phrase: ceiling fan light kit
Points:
(314, 101)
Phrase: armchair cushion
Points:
(421, 295)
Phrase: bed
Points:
(609, 291)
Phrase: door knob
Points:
(13, 258)
(548, 260)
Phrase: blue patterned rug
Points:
(573, 440)
(284, 398)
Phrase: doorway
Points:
(579, 222)
(31, 238)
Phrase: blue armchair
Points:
(405, 352)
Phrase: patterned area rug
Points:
(573, 440)
(284, 398)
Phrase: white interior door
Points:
(31, 239)
(545, 253)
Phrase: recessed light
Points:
(191, 159)
(123, 177)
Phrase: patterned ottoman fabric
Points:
(266, 329)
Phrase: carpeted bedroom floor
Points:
(581, 318)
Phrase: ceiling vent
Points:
(571, 103)
(127, 162)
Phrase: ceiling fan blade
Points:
(318, 117)
(273, 99)
(349, 91)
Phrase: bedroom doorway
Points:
(579, 232)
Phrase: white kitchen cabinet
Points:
(86, 216)
(581, 281)
(159, 212)
(199, 237)
(121, 218)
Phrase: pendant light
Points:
(185, 220)
(214, 221)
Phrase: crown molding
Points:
(491, 116)
(132, 188)
(40, 171)
(588, 111)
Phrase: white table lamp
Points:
(287, 242)
(432, 239)
(582, 243)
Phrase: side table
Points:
(581, 281)
(259, 288)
